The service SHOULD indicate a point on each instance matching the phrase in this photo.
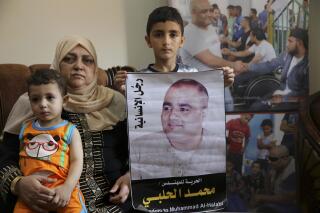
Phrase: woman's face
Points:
(78, 68)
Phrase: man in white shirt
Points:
(202, 45)
(294, 82)
(261, 48)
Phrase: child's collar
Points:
(150, 67)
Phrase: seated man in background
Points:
(294, 82)
(263, 51)
(241, 43)
(282, 196)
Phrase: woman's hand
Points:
(31, 191)
(120, 190)
(62, 197)
(120, 80)
(228, 75)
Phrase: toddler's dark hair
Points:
(46, 76)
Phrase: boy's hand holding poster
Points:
(177, 141)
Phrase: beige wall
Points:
(29, 30)
(136, 15)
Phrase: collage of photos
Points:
(261, 169)
(266, 43)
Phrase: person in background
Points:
(263, 18)
(263, 51)
(237, 138)
(289, 126)
(256, 180)
(230, 19)
(265, 142)
(283, 192)
(220, 21)
(254, 18)
(294, 82)
(235, 188)
(243, 41)
(237, 28)
(202, 47)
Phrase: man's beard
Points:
(294, 51)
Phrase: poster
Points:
(177, 141)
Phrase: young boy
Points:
(265, 141)
(235, 187)
(237, 138)
(165, 36)
(51, 147)
(255, 182)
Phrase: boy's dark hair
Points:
(47, 76)
(230, 7)
(258, 33)
(266, 122)
(163, 14)
(254, 11)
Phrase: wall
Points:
(136, 16)
(314, 44)
(30, 29)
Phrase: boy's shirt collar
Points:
(150, 67)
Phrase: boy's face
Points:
(216, 14)
(46, 103)
(255, 168)
(165, 39)
(267, 129)
(245, 118)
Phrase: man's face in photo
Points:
(292, 45)
(183, 112)
(202, 13)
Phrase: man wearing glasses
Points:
(282, 196)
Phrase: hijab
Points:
(102, 107)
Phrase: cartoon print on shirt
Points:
(42, 145)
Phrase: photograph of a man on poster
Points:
(184, 144)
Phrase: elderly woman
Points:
(99, 114)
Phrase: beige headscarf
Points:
(103, 107)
